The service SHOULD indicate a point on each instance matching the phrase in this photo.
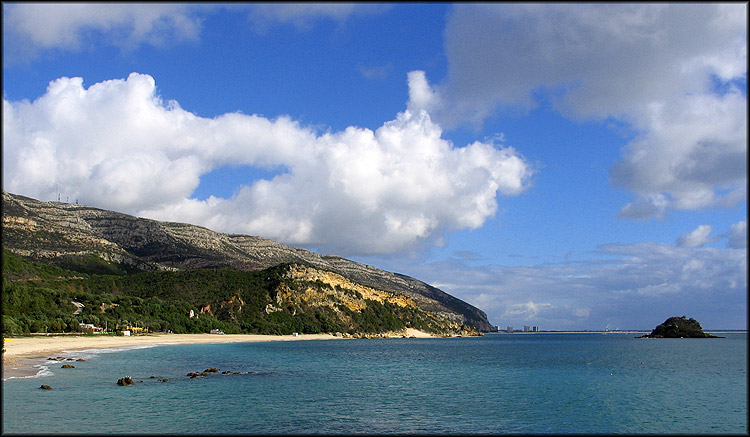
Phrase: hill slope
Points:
(279, 300)
(99, 241)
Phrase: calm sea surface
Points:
(499, 383)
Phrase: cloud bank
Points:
(671, 71)
(118, 145)
(626, 286)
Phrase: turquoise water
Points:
(536, 383)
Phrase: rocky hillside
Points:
(61, 234)
(287, 298)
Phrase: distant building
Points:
(535, 329)
(526, 328)
(509, 329)
(89, 327)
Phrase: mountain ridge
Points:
(55, 231)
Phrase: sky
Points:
(560, 165)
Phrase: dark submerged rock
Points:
(46, 387)
(679, 327)
(67, 366)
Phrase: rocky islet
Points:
(679, 327)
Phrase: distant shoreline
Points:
(572, 332)
(717, 331)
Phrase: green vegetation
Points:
(38, 297)
(92, 264)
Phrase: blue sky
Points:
(570, 166)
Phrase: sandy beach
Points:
(22, 352)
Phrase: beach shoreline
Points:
(22, 354)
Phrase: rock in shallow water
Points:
(125, 381)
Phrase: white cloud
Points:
(70, 26)
(653, 66)
(117, 145)
(421, 96)
(696, 238)
(31, 27)
(526, 310)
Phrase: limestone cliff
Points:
(306, 287)
(55, 231)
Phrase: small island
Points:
(679, 327)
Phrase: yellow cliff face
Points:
(345, 291)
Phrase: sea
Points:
(496, 384)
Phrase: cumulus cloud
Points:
(421, 95)
(118, 145)
(697, 237)
(654, 66)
